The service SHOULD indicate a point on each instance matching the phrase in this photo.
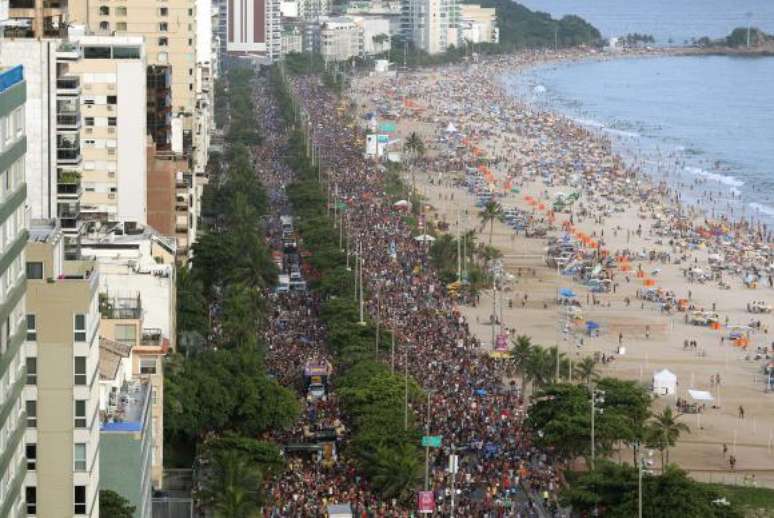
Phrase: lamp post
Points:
(427, 447)
(597, 398)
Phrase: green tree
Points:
(192, 307)
(395, 471)
(415, 149)
(586, 370)
(663, 432)
(520, 352)
(613, 489)
(491, 212)
(240, 317)
(114, 505)
(232, 488)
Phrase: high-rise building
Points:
(113, 128)
(53, 141)
(62, 396)
(253, 28)
(340, 39)
(169, 29)
(13, 191)
(37, 19)
(430, 25)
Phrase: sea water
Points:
(705, 124)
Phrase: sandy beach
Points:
(530, 158)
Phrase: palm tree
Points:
(664, 431)
(491, 212)
(556, 358)
(522, 348)
(394, 472)
(488, 253)
(586, 370)
(538, 367)
(416, 149)
(233, 487)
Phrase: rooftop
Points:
(110, 355)
(127, 411)
(44, 231)
(10, 77)
(108, 235)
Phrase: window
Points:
(34, 270)
(163, 11)
(147, 365)
(88, 121)
(163, 41)
(80, 370)
(80, 500)
(31, 406)
(112, 121)
(104, 10)
(163, 27)
(31, 499)
(79, 456)
(112, 99)
(31, 452)
(120, 11)
(32, 326)
(126, 334)
(80, 328)
(80, 413)
(104, 26)
(32, 370)
(121, 26)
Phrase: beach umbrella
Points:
(566, 292)
(425, 238)
(591, 325)
(402, 204)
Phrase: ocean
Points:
(701, 123)
(678, 20)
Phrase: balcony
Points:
(120, 308)
(68, 156)
(68, 86)
(68, 210)
(68, 121)
(151, 337)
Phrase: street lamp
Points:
(597, 398)
(642, 469)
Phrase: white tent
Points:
(425, 238)
(701, 395)
(664, 382)
(450, 128)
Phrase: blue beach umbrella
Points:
(566, 292)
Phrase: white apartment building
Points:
(113, 128)
(341, 38)
(478, 25)
(62, 393)
(430, 24)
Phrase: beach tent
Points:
(664, 382)
(425, 238)
(700, 395)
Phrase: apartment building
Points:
(113, 128)
(62, 396)
(254, 28)
(138, 309)
(478, 25)
(37, 19)
(169, 29)
(53, 142)
(432, 25)
(13, 191)
(126, 437)
(341, 38)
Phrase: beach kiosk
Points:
(664, 383)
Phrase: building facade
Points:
(254, 27)
(113, 129)
(13, 191)
(431, 25)
(478, 25)
(341, 38)
(62, 393)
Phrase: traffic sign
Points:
(431, 441)
(426, 502)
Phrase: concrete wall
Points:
(132, 172)
(39, 61)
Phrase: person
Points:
(725, 450)
(741, 412)
(620, 338)
(647, 332)
(732, 462)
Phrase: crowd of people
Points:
(472, 406)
